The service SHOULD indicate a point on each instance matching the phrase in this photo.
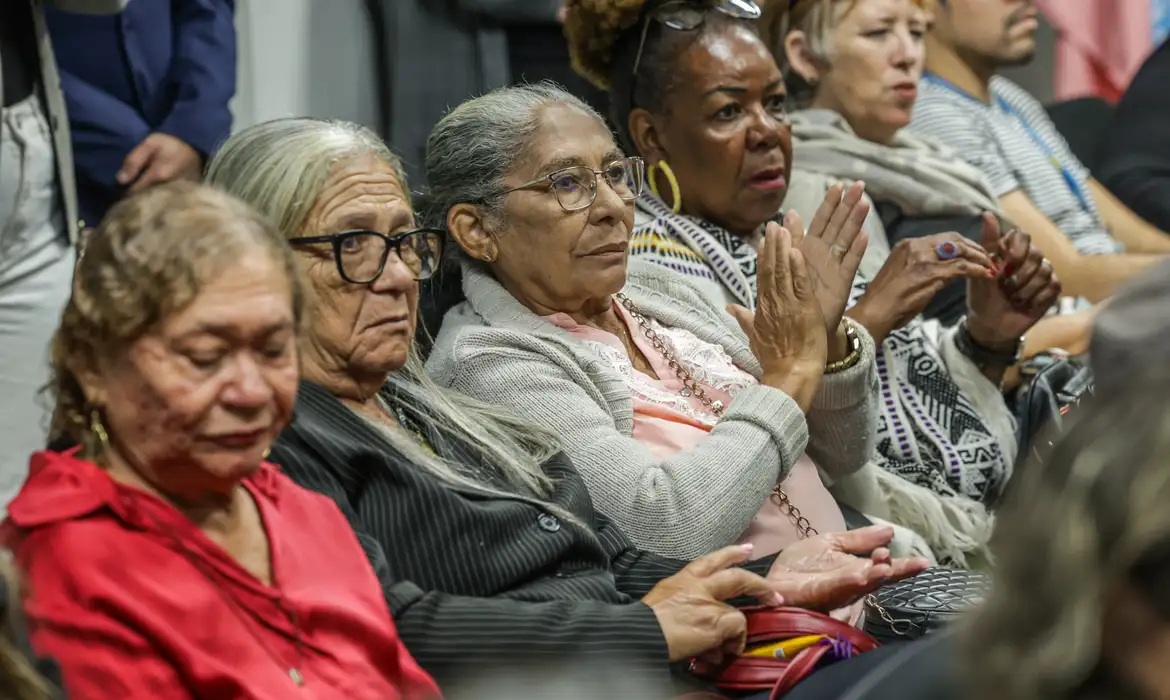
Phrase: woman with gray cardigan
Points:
(690, 429)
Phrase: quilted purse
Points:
(747, 673)
(922, 604)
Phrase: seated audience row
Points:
(164, 536)
(720, 139)
(645, 343)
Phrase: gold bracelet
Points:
(854, 356)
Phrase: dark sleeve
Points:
(453, 637)
(637, 571)
(202, 73)
(1134, 156)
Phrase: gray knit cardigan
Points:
(499, 351)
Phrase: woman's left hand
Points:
(834, 570)
(1002, 309)
(832, 248)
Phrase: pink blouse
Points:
(668, 422)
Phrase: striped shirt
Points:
(1016, 145)
(480, 583)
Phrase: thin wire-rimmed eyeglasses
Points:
(361, 255)
(689, 15)
(576, 187)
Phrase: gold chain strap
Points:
(690, 387)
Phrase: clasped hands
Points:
(804, 278)
(822, 573)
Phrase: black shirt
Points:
(18, 50)
(478, 582)
(1135, 149)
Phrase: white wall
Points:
(305, 58)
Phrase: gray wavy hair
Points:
(476, 145)
(1087, 523)
(280, 167)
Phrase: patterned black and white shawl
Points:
(932, 433)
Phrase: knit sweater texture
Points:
(494, 348)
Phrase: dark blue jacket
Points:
(160, 66)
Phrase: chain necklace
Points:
(691, 387)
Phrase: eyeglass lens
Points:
(363, 254)
(576, 187)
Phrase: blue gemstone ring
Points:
(947, 250)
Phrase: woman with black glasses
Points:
(495, 566)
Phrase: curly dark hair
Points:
(603, 40)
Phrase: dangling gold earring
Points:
(267, 451)
(99, 430)
(668, 173)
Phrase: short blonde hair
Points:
(148, 259)
(816, 19)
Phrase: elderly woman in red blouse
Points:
(164, 558)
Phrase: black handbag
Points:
(917, 606)
(1053, 384)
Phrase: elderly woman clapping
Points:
(164, 558)
(490, 553)
(697, 94)
(688, 427)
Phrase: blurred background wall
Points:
(316, 58)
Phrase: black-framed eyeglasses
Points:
(689, 15)
(361, 255)
(576, 187)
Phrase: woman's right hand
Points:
(787, 330)
(689, 605)
(910, 278)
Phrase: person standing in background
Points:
(442, 53)
(38, 213)
(147, 92)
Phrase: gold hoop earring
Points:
(99, 430)
(668, 173)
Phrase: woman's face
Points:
(724, 131)
(877, 53)
(194, 404)
(357, 333)
(554, 260)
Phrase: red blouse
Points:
(135, 602)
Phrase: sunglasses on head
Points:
(689, 15)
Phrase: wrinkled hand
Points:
(1001, 310)
(833, 246)
(690, 608)
(910, 278)
(787, 331)
(825, 572)
(159, 158)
